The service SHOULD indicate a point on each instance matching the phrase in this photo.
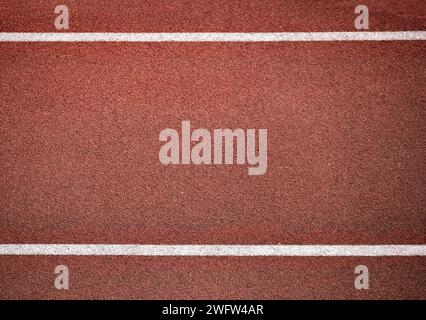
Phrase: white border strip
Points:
(211, 250)
(213, 36)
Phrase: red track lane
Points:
(79, 126)
(212, 278)
(79, 142)
(212, 15)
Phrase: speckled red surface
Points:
(79, 127)
(212, 278)
(212, 15)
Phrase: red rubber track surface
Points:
(212, 15)
(79, 128)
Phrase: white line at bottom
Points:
(211, 36)
(211, 250)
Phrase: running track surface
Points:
(79, 128)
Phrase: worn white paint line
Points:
(211, 250)
(212, 36)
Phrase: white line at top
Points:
(212, 250)
(213, 36)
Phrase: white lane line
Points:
(211, 250)
(213, 36)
